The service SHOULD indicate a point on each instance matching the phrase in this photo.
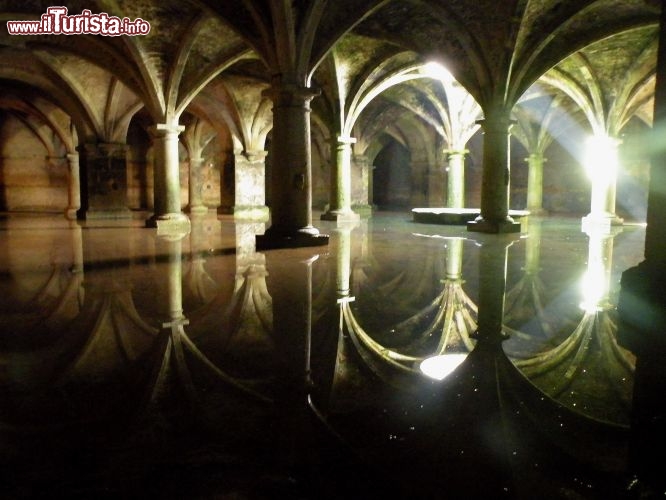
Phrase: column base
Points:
(538, 212)
(169, 224)
(198, 209)
(71, 213)
(365, 211)
(341, 216)
(297, 239)
(104, 214)
(481, 225)
(603, 219)
(259, 213)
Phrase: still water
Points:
(193, 366)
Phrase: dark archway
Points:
(391, 184)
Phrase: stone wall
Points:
(29, 179)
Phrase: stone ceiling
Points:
(497, 50)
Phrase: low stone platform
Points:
(455, 216)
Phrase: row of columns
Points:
(105, 190)
(99, 190)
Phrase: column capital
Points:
(252, 155)
(102, 149)
(534, 156)
(291, 94)
(454, 151)
(343, 139)
(110, 149)
(71, 157)
(501, 123)
(164, 129)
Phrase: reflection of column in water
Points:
(174, 275)
(199, 282)
(343, 258)
(492, 284)
(533, 248)
(249, 314)
(587, 364)
(523, 309)
(454, 254)
(290, 286)
(596, 281)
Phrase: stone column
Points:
(73, 187)
(105, 181)
(291, 203)
(340, 186)
(167, 214)
(604, 186)
(250, 186)
(535, 183)
(456, 179)
(196, 204)
(494, 216)
(361, 185)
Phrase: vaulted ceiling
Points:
(600, 53)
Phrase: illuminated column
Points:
(456, 178)
(340, 186)
(167, 214)
(73, 187)
(601, 162)
(196, 204)
(494, 216)
(250, 186)
(535, 183)
(291, 203)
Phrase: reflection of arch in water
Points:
(37, 310)
(408, 292)
(486, 389)
(179, 359)
(523, 306)
(448, 322)
(198, 283)
(588, 362)
(110, 333)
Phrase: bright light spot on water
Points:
(439, 367)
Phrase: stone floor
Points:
(192, 366)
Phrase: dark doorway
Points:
(391, 183)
